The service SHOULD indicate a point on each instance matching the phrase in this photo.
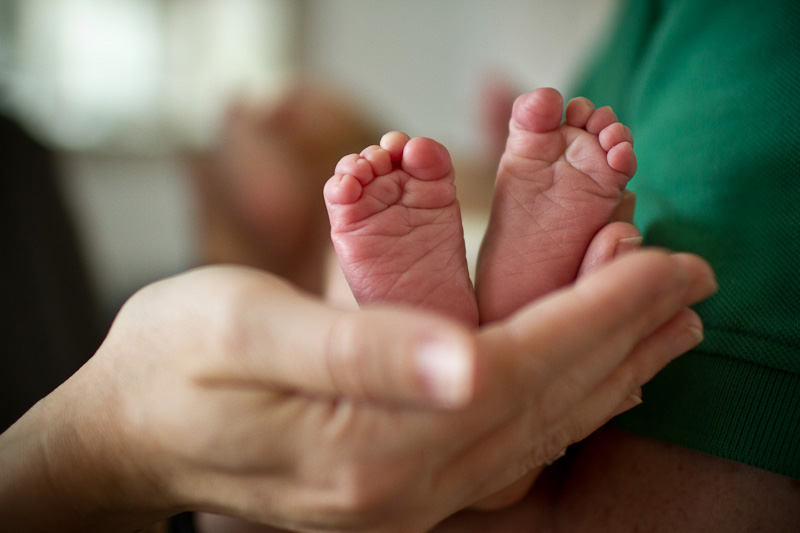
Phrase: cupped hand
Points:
(226, 390)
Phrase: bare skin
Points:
(617, 481)
(558, 184)
(396, 226)
(396, 223)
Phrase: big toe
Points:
(426, 159)
(538, 111)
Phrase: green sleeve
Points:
(711, 91)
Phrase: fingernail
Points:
(629, 244)
(711, 285)
(688, 340)
(715, 285)
(702, 279)
(697, 333)
(630, 402)
(446, 372)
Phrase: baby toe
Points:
(614, 134)
(600, 119)
(357, 167)
(578, 112)
(342, 189)
(538, 111)
(379, 159)
(426, 159)
(394, 142)
(622, 158)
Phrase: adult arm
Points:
(226, 390)
(617, 481)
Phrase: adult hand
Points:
(225, 390)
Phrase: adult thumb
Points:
(381, 354)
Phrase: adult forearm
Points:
(26, 491)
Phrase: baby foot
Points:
(396, 226)
(557, 185)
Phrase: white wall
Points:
(419, 62)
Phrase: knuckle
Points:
(346, 354)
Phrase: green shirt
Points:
(711, 90)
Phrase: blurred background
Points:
(123, 90)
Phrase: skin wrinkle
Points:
(374, 198)
(524, 206)
(517, 146)
(522, 267)
(402, 270)
(581, 164)
(531, 166)
(407, 272)
(589, 185)
(339, 342)
(527, 207)
(551, 236)
(555, 199)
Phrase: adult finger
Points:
(611, 241)
(621, 390)
(577, 337)
(290, 340)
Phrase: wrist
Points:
(66, 469)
